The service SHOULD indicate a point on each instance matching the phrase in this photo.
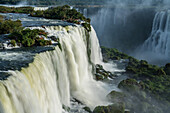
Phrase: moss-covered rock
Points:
(113, 54)
(102, 74)
(114, 108)
(131, 84)
(115, 96)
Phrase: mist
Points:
(22, 3)
(127, 24)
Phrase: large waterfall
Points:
(159, 40)
(56, 76)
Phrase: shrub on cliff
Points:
(64, 13)
(9, 26)
(28, 37)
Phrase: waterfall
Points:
(55, 76)
(40, 8)
(159, 40)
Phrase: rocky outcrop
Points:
(102, 74)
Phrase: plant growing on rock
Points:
(28, 37)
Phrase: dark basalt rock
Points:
(87, 109)
(102, 74)
(167, 69)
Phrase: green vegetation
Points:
(64, 13)
(26, 10)
(19, 35)
(153, 79)
(9, 26)
(147, 88)
(114, 54)
(13, 42)
(102, 74)
(28, 37)
(55, 2)
(114, 108)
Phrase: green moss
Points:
(152, 78)
(114, 108)
(115, 96)
(114, 54)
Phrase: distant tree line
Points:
(64, 13)
(55, 2)
(27, 37)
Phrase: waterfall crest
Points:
(55, 76)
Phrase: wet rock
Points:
(102, 74)
(87, 109)
(167, 69)
(131, 84)
(114, 108)
(115, 96)
(53, 38)
(66, 108)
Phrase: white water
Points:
(159, 40)
(55, 76)
(40, 8)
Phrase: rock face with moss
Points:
(114, 54)
(156, 79)
(102, 74)
(147, 88)
(114, 108)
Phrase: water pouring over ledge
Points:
(56, 76)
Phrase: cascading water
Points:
(159, 41)
(55, 76)
(40, 8)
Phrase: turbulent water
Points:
(56, 76)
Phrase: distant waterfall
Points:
(55, 76)
(159, 40)
(40, 8)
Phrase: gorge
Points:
(72, 73)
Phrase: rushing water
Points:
(55, 76)
(156, 48)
